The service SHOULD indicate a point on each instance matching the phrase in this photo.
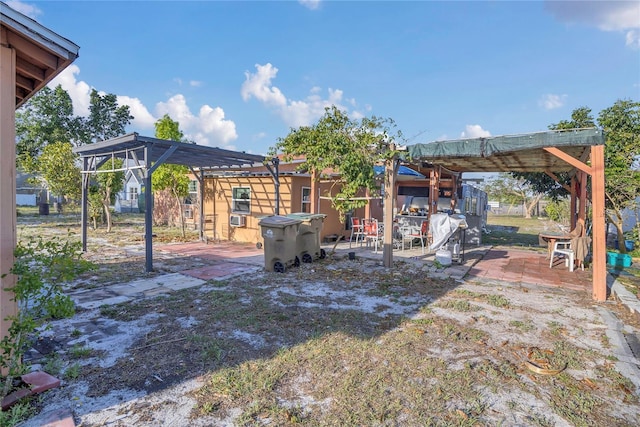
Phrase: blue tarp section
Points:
(402, 170)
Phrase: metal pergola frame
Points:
(147, 154)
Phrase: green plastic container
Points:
(308, 239)
(618, 260)
(280, 235)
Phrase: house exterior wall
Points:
(127, 200)
(218, 202)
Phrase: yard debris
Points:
(543, 371)
(538, 362)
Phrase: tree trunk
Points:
(529, 208)
(107, 212)
(180, 214)
(617, 220)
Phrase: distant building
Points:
(130, 198)
(27, 193)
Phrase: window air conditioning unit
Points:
(188, 214)
(237, 221)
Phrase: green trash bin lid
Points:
(278, 221)
(303, 216)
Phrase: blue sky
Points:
(240, 74)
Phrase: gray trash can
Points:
(308, 241)
(280, 242)
(43, 209)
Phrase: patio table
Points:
(551, 237)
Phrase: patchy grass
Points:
(508, 230)
(339, 342)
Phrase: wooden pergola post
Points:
(390, 176)
(598, 225)
(596, 170)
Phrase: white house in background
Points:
(127, 200)
(28, 194)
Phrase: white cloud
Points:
(195, 83)
(208, 127)
(294, 113)
(79, 91)
(551, 101)
(633, 39)
(623, 16)
(29, 10)
(310, 4)
(142, 118)
(259, 86)
(474, 131)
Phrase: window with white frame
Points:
(133, 193)
(241, 200)
(192, 198)
(306, 200)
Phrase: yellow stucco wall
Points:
(218, 203)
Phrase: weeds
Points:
(498, 301)
(459, 305)
(79, 351)
(15, 415)
(72, 372)
(524, 326)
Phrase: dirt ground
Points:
(337, 342)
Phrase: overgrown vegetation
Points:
(348, 147)
(42, 266)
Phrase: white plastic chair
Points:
(412, 234)
(563, 248)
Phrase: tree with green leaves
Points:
(347, 147)
(95, 209)
(106, 118)
(621, 126)
(59, 171)
(507, 188)
(44, 119)
(47, 120)
(109, 184)
(173, 178)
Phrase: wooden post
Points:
(367, 208)
(573, 203)
(315, 196)
(8, 307)
(434, 190)
(390, 174)
(598, 226)
(582, 207)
